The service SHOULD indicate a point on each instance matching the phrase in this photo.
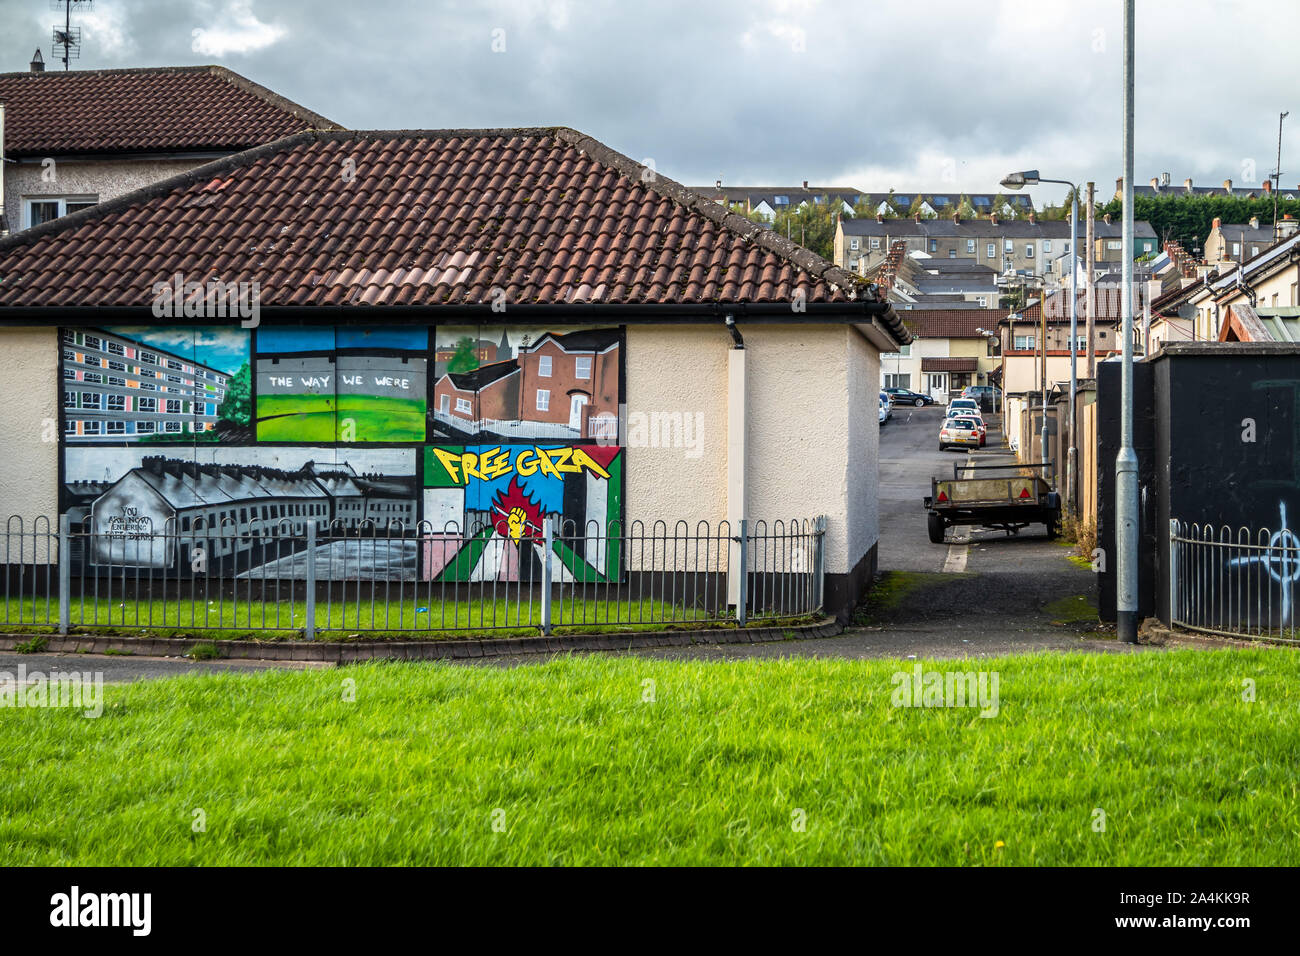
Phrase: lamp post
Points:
(1019, 180)
(1126, 462)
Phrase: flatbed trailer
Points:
(1006, 503)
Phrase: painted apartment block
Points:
(116, 389)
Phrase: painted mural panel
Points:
(459, 444)
(527, 384)
(137, 384)
(489, 504)
(324, 384)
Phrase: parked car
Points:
(977, 392)
(905, 396)
(959, 431)
(967, 413)
(967, 404)
(888, 403)
(884, 411)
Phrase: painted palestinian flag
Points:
(505, 495)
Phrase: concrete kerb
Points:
(348, 652)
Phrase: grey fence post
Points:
(819, 563)
(1173, 571)
(65, 572)
(309, 625)
(742, 597)
(548, 534)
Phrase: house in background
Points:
(74, 139)
(1233, 243)
(950, 349)
(767, 201)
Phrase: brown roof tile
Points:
(950, 323)
(400, 232)
(165, 109)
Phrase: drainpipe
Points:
(736, 471)
(4, 225)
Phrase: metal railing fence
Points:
(305, 575)
(1234, 581)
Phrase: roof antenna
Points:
(67, 37)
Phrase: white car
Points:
(967, 413)
(884, 411)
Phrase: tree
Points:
(237, 407)
(966, 208)
(464, 358)
(811, 225)
(1189, 219)
(918, 208)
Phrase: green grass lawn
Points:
(309, 418)
(576, 766)
(410, 619)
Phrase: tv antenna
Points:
(66, 43)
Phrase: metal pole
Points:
(1088, 278)
(1126, 462)
(1042, 309)
(309, 622)
(548, 541)
(65, 572)
(742, 599)
(1072, 458)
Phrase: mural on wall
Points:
(500, 497)
(324, 384)
(528, 384)
(140, 384)
(483, 435)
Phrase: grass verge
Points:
(600, 760)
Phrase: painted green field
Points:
(331, 418)
(603, 760)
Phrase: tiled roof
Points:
(167, 109)
(946, 228)
(539, 216)
(951, 323)
(949, 364)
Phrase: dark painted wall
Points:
(1108, 440)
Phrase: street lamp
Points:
(1030, 177)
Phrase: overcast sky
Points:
(868, 93)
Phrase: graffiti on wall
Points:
(483, 436)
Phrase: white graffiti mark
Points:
(1281, 560)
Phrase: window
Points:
(115, 428)
(1115, 244)
(90, 400)
(173, 364)
(1025, 343)
(463, 406)
(172, 427)
(992, 250)
(116, 348)
(1008, 246)
(952, 253)
(444, 404)
(582, 366)
(47, 208)
(543, 400)
(173, 406)
(1236, 248)
(116, 403)
(1067, 246)
(970, 246)
(853, 244)
(981, 300)
(148, 358)
(934, 245)
(898, 380)
(1254, 250)
(119, 382)
(117, 366)
(144, 428)
(92, 341)
(1029, 250)
(544, 366)
(1047, 246)
(875, 243)
(69, 337)
(93, 377)
(69, 399)
(70, 427)
(148, 387)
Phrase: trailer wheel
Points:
(934, 524)
(1053, 527)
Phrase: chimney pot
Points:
(918, 218)
(1216, 223)
(1187, 185)
(805, 184)
(1254, 222)
(1106, 219)
(38, 62)
(880, 217)
(1164, 179)
(956, 217)
(718, 184)
(1227, 185)
(1032, 220)
(1155, 184)
(1268, 186)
